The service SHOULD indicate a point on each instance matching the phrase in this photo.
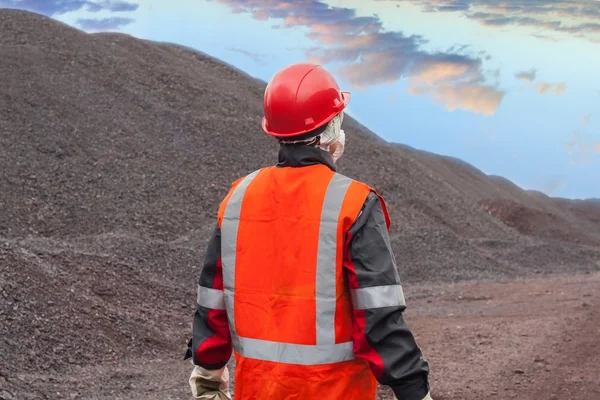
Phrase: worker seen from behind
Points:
(299, 279)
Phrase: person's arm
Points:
(381, 336)
(210, 347)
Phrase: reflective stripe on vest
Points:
(229, 229)
(325, 351)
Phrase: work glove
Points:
(218, 395)
(210, 385)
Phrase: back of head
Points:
(304, 105)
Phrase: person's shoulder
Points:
(372, 201)
(373, 193)
(342, 176)
(242, 182)
(247, 178)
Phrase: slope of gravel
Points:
(114, 155)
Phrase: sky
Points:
(510, 87)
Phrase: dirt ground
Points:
(531, 339)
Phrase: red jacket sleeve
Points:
(380, 334)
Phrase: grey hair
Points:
(328, 136)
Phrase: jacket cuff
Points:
(416, 389)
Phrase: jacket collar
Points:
(303, 156)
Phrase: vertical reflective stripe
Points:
(229, 233)
(327, 257)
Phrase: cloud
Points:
(579, 18)
(585, 120)
(259, 58)
(457, 83)
(369, 55)
(558, 89)
(123, 6)
(581, 149)
(58, 7)
(527, 76)
(475, 98)
(103, 24)
(544, 37)
(114, 6)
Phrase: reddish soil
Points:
(529, 340)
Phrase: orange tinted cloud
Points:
(441, 71)
(370, 55)
(457, 85)
(479, 99)
(558, 89)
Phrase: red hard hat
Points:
(300, 98)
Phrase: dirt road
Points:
(532, 339)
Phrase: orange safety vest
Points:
(288, 303)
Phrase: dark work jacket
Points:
(394, 356)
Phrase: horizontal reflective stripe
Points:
(377, 297)
(210, 298)
(289, 353)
